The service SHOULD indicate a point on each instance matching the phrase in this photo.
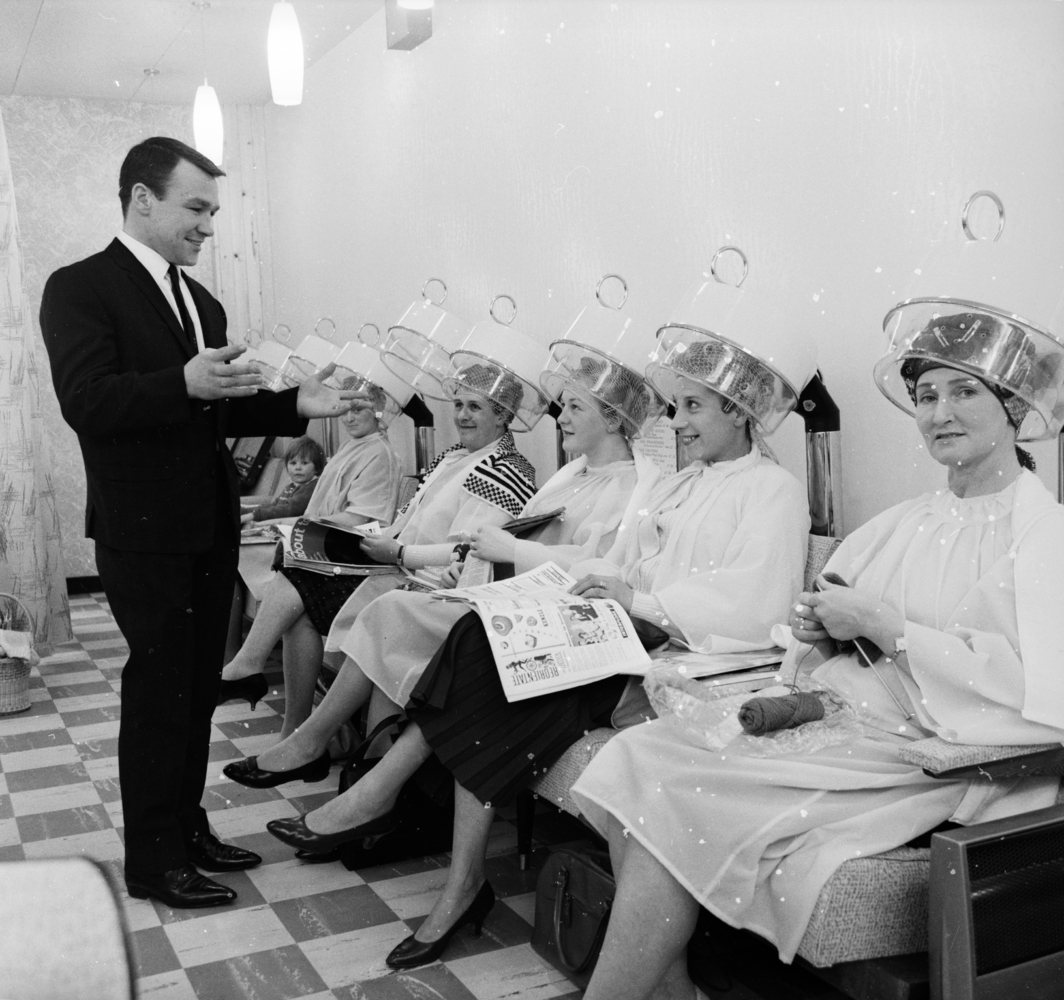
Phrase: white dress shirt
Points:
(159, 267)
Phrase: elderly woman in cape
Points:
(483, 480)
(392, 639)
(957, 588)
(716, 557)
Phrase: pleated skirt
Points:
(495, 748)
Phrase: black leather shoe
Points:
(247, 772)
(319, 857)
(296, 833)
(253, 687)
(206, 851)
(181, 888)
(410, 952)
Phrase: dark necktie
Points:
(182, 309)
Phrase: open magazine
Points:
(545, 639)
(331, 547)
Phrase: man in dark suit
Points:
(142, 370)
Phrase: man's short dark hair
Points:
(151, 163)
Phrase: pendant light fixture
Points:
(284, 54)
(207, 128)
(207, 123)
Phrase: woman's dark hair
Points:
(308, 449)
(151, 163)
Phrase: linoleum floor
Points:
(296, 930)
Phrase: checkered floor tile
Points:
(296, 930)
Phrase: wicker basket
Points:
(14, 674)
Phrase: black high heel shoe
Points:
(410, 952)
(296, 833)
(247, 772)
(253, 687)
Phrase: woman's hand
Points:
(846, 613)
(492, 544)
(451, 574)
(805, 625)
(610, 587)
(247, 518)
(383, 550)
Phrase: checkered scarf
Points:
(503, 477)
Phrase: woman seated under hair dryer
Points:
(715, 558)
(954, 598)
(483, 480)
(391, 642)
(358, 484)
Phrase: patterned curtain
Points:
(31, 560)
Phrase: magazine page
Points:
(554, 642)
(370, 529)
(475, 573)
(546, 580)
(695, 665)
(317, 545)
(545, 638)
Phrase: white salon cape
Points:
(361, 478)
(754, 839)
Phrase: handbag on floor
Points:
(424, 827)
(574, 896)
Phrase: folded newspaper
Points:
(331, 547)
(546, 639)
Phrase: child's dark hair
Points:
(306, 448)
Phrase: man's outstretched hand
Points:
(316, 399)
(207, 376)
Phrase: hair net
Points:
(614, 388)
(1023, 366)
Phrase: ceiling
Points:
(101, 48)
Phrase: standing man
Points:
(141, 367)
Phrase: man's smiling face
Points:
(176, 224)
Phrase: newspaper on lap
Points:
(546, 639)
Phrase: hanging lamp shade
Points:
(284, 54)
(207, 128)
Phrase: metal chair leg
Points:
(526, 811)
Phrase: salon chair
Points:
(62, 933)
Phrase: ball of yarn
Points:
(759, 716)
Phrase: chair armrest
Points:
(953, 761)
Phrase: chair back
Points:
(820, 550)
(407, 488)
(63, 932)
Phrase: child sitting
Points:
(304, 460)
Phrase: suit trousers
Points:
(173, 610)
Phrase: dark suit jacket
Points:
(117, 353)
